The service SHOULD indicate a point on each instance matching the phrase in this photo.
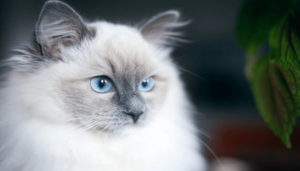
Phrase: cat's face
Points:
(123, 61)
(107, 76)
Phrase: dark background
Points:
(212, 69)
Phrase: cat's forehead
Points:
(122, 39)
(122, 47)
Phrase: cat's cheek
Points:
(159, 93)
(155, 100)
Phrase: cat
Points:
(96, 96)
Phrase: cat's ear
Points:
(59, 26)
(160, 28)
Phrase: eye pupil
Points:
(144, 83)
(102, 83)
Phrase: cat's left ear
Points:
(160, 28)
(59, 26)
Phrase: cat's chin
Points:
(125, 131)
(120, 131)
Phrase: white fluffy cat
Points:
(96, 97)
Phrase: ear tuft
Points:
(160, 28)
(59, 26)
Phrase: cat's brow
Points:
(112, 67)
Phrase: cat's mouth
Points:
(114, 125)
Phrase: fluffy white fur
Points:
(39, 133)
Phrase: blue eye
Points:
(147, 84)
(101, 84)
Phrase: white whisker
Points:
(213, 153)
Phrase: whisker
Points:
(177, 58)
(68, 120)
(213, 153)
(80, 125)
(190, 72)
(186, 127)
(85, 128)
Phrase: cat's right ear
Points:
(59, 26)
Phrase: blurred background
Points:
(212, 68)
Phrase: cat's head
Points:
(103, 75)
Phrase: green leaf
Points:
(285, 43)
(276, 92)
(256, 19)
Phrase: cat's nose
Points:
(134, 115)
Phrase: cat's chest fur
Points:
(161, 147)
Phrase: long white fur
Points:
(37, 133)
